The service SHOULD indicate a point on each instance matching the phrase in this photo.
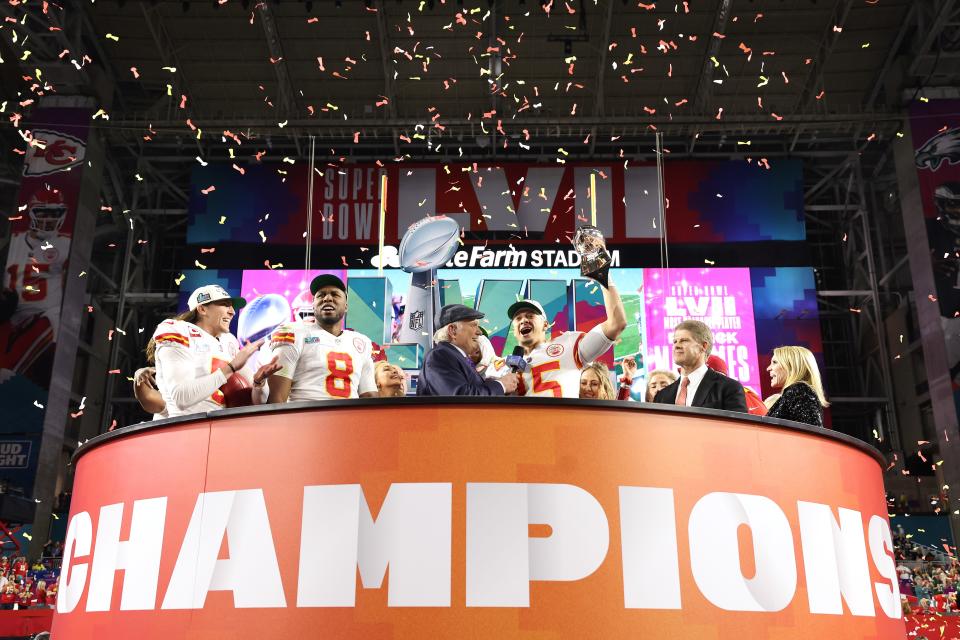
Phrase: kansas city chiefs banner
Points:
(34, 275)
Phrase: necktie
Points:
(682, 395)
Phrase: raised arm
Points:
(616, 320)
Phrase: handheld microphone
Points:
(517, 362)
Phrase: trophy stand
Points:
(421, 305)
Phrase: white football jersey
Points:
(197, 352)
(321, 365)
(35, 268)
(554, 366)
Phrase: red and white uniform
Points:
(35, 270)
(321, 365)
(555, 365)
(189, 362)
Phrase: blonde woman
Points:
(595, 382)
(794, 371)
(390, 380)
(657, 380)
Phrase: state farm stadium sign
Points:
(457, 521)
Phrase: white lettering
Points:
(138, 557)
(327, 220)
(715, 555)
(357, 182)
(411, 535)
(881, 549)
(343, 220)
(648, 532)
(835, 560)
(501, 557)
(73, 575)
(328, 181)
(363, 218)
(251, 571)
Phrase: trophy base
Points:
(597, 267)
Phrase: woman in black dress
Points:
(794, 371)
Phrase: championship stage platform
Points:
(466, 518)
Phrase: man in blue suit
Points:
(447, 369)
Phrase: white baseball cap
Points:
(531, 305)
(213, 293)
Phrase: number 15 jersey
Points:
(555, 365)
(321, 365)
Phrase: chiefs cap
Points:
(326, 280)
(212, 293)
(519, 305)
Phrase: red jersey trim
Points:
(576, 351)
(172, 337)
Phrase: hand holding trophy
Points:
(594, 258)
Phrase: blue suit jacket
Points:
(446, 372)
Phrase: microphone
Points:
(517, 362)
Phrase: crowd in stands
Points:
(30, 587)
(929, 577)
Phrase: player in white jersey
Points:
(36, 261)
(320, 360)
(555, 363)
(35, 267)
(195, 354)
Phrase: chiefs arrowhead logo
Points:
(59, 152)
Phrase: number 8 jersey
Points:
(555, 365)
(321, 365)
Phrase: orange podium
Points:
(493, 518)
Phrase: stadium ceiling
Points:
(435, 79)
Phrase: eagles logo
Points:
(943, 147)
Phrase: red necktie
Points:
(682, 396)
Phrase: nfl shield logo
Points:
(416, 320)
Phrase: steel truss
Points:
(856, 235)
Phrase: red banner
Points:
(706, 202)
(36, 267)
(413, 519)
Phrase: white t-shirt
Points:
(555, 365)
(321, 365)
(188, 366)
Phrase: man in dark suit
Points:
(698, 385)
(448, 370)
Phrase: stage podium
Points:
(479, 518)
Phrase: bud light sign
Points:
(15, 454)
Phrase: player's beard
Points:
(330, 322)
